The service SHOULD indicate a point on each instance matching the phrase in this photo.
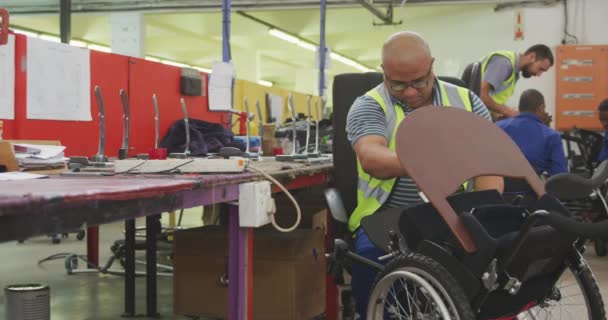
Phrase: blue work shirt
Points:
(541, 145)
(604, 153)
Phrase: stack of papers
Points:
(16, 175)
(38, 156)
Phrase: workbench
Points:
(59, 203)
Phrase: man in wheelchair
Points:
(461, 255)
(409, 83)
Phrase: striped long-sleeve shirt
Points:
(366, 117)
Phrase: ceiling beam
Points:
(387, 18)
(51, 6)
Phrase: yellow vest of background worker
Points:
(372, 192)
(509, 84)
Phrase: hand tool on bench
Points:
(123, 152)
(100, 156)
(306, 152)
(186, 152)
(156, 152)
(260, 126)
(294, 155)
(316, 152)
(248, 153)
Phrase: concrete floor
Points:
(83, 296)
(100, 297)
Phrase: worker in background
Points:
(409, 83)
(541, 145)
(500, 70)
(603, 115)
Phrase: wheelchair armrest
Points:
(335, 205)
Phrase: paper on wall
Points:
(7, 79)
(220, 86)
(58, 81)
(275, 103)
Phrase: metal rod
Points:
(152, 231)
(322, 50)
(226, 54)
(247, 132)
(307, 126)
(129, 268)
(186, 125)
(156, 119)
(293, 122)
(102, 124)
(317, 128)
(126, 115)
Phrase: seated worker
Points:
(372, 122)
(500, 71)
(603, 116)
(541, 145)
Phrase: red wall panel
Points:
(147, 78)
(9, 131)
(109, 72)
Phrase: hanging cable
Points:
(567, 34)
(293, 200)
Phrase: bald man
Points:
(409, 84)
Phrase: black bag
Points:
(205, 137)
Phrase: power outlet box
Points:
(255, 204)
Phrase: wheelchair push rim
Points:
(425, 297)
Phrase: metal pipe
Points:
(65, 17)
(226, 54)
(322, 50)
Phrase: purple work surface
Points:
(42, 206)
(60, 203)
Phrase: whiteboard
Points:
(7, 79)
(58, 81)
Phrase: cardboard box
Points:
(288, 273)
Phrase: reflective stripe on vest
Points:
(509, 84)
(372, 193)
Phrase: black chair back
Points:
(346, 88)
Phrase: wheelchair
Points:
(473, 255)
(584, 197)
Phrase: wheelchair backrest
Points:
(442, 147)
(471, 76)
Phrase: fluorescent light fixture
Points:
(292, 39)
(175, 64)
(50, 38)
(152, 59)
(265, 83)
(78, 43)
(27, 33)
(283, 36)
(99, 48)
(309, 46)
(349, 62)
(202, 69)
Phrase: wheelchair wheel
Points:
(576, 295)
(413, 286)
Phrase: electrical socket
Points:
(255, 204)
